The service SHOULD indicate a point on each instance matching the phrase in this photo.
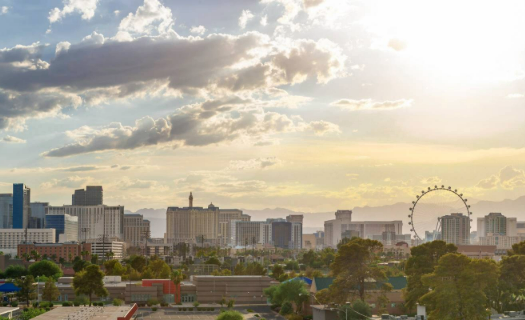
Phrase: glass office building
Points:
(21, 206)
(66, 227)
(6, 211)
(38, 215)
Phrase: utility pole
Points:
(145, 234)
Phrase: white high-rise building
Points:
(11, 238)
(95, 223)
(6, 210)
(333, 229)
(455, 228)
(497, 224)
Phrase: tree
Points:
(213, 260)
(512, 282)
(517, 248)
(80, 265)
(323, 296)
(158, 269)
(230, 315)
(359, 310)
(177, 276)
(138, 262)
(255, 269)
(90, 281)
(61, 260)
(114, 268)
(277, 271)
(422, 261)
(239, 269)
(27, 291)
(291, 291)
(459, 288)
(45, 268)
(16, 271)
(51, 292)
(354, 266)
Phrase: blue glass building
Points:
(21, 205)
(66, 227)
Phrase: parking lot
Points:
(168, 314)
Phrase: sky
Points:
(310, 105)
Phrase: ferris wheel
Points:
(432, 204)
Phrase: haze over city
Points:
(310, 106)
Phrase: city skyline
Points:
(227, 103)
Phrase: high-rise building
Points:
(38, 214)
(6, 210)
(455, 228)
(136, 229)
(298, 218)
(192, 224)
(95, 222)
(333, 229)
(91, 196)
(66, 227)
(226, 216)
(21, 206)
(282, 234)
(496, 223)
(297, 235)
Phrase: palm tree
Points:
(84, 254)
(35, 255)
(54, 257)
(26, 256)
(61, 260)
(177, 276)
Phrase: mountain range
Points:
(314, 221)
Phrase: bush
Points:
(249, 310)
(154, 309)
(42, 304)
(190, 309)
(163, 304)
(230, 315)
(196, 304)
(35, 304)
(66, 304)
(48, 308)
(294, 317)
(51, 304)
(76, 303)
(256, 315)
(14, 304)
(152, 302)
(117, 302)
(286, 309)
(5, 303)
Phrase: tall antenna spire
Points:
(191, 200)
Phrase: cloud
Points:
(508, 178)
(431, 181)
(11, 139)
(369, 104)
(515, 96)
(128, 183)
(152, 16)
(86, 8)
(207, 123)
(69, 182)
(264, 21)
(246, 16)
(251, 164)
(200, 30)
(397, 44)
(4, 10)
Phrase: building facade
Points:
(6, 210)
(11, 238)
(38, 215)
(455, 228)
(136, 229)
(496, 223)
(21, 206)
(66, 227)
(115, 248)
(57, 250)
(193, 224)
(226, 216)
(333, 229)
(500, 241)
(95, 223)
(91, 196)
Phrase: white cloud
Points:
(200, 30)
(515, 96)
(246, 16)
(369, 104)
(251, 164)
(397, 44)
(431, 181)
(508, 178)
(149, 17)
(4, 10)
(69, 182)
(264, 21)
(208, 123)
(86, 8)
(116, 12)
(12, 139)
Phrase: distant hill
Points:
(314, 221)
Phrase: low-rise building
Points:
(11, 238)
(244, 289)
(58, 250)
(116, 249)
(478, 251)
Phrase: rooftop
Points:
(85, 313)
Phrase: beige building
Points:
(226, 217)
(496, 223)
(136, 229)
(478, 252)
(455, 228)
(334, 228)
(309, 241)
(251, 233)
(11, 238)
(192, 224)
(244, 289)
(500, 241)
(103, 248)
(94, 222)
